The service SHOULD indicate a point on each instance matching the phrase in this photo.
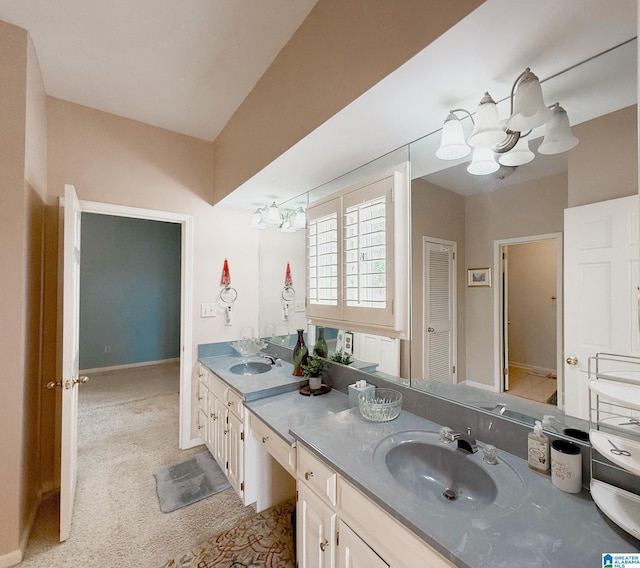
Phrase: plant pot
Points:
(315, 383)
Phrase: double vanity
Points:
(391, 493)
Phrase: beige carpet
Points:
(263, 541)
(128, 426)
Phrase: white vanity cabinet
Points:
(338, 526)
(224, 428)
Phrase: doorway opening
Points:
(186, 285)
(529, 316)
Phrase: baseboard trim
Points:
(129, 366)
(11, 559)
(533, 370)
(482, 386)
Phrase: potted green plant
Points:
(314, 370)
(341, 357)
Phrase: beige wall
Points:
(528, 209)
(340, 51)
(604, 165)
(119, 161)
(22, 190)
(436, 213)
(532, 309)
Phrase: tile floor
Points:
(532, 387)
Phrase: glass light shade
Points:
(273, 215)
(483, 162)
(452, 143)
(487, 130)
(256, 220)
(529, 110)
(558, 137)
(299, 219)
(518, 155)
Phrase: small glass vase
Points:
(320, 348)
(300, 354)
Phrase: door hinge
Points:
(338, 538)
(505, 371)
(454, 368)
(242, 436)
(297, 495)
(226, 465)
(242, 486)
(453, 255)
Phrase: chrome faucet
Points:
(273, 360)
(466, 442)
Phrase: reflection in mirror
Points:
(479, 217)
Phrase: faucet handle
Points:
(490, 454)
(446, 435)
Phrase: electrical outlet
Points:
(208, 310)
(300, 306)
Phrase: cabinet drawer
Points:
(202, 396)
(216, 385)
(317, 475)
(282, 452)
(235, 403)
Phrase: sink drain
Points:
(450, 494)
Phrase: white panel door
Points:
(70, 356)
(439, 355)
(600, 290)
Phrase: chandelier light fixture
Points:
(507, 140)
(287, 220)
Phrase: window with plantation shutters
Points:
(351, 257)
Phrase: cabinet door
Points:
(353, 552)
(235, 453)
(217, 425)
(316, 530)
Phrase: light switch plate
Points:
(208, 310)
(300, 306)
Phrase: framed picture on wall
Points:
(479, 277)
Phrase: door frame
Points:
(186, 296)
(499, 315)
(454, 295)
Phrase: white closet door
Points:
(439, 358)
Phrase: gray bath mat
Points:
(185, 483)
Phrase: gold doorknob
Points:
(572, 360)
(53, 384)
(81, 380)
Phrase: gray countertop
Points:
(291, 410)
(549, 528)
(253, 387)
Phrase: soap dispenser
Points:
(538, 449)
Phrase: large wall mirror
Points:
(507, 327)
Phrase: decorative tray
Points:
(306, 391)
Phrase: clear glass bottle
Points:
(320, 348)
(300, 354)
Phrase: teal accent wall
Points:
(129, 291)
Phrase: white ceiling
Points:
(485, 52)
(181, 65)
(187, 66)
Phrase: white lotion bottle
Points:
(538, 449)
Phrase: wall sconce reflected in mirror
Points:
(287, 220)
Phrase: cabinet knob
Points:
(213, 416)
(308, 475)
(430, 329)
(264, 439)
(200, 397)
(572, 360)
(323, 545)
(226, 431)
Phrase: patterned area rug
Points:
(262, 541)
